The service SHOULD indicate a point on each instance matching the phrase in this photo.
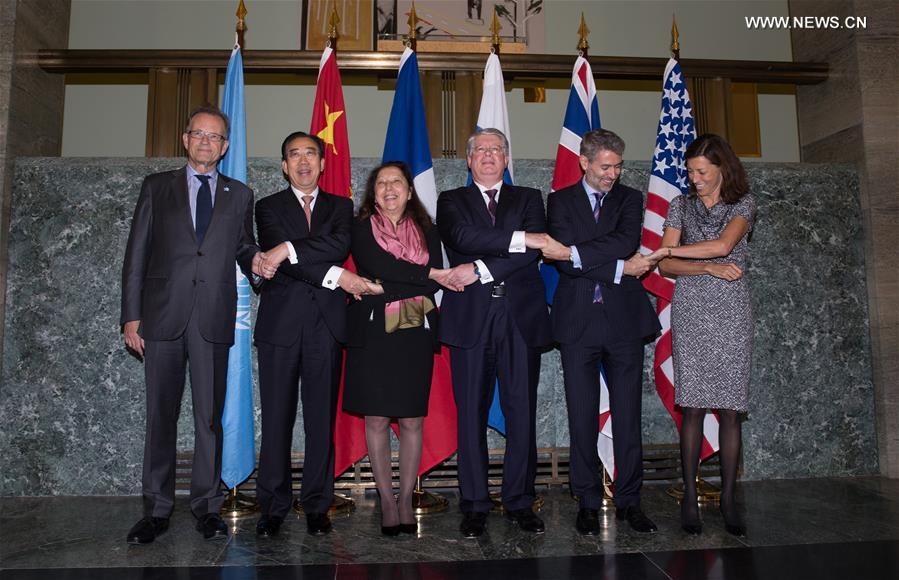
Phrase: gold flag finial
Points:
(241, 22)
(495, 27)
(675, 45)
(413, 20)
(583, 32)
(333, 21)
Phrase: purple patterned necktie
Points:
(597, 207)
(491, 205)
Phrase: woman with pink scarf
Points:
(393, 331)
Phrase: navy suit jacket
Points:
(295, 288)
(600, 246)
(468, 235)
(166, 276)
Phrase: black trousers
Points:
(312, 362)
(165, 362)
(622, 361)
(501, 353)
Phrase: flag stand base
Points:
(498, 507)
(425, 502)
(340, 505)
(608, 501)
(238, 505)
(705, 492)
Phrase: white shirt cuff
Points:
(619, 270)
(486, 276)
(330, 281)
(576, 258)
(517, 246)
(291, 253)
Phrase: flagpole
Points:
(236, 504)
(423, 502)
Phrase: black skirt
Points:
(391, 375)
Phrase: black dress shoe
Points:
(473, 524)
(318, 524)
(587, 522)
(268, 526)
(409, 528)
(391, 531)
(527, 520)
(636, 518)
(212, 526)
(146, 530)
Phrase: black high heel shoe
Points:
(408, 528)
(693, 525)
(391, 530)
(733, 524)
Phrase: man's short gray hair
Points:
(209, 110)
(488, 131)
(601, 139)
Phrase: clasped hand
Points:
(265, 264)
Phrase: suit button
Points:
(199, 253)
(194, 282)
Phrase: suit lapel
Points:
(180, 202)
(508, 197)
(292, 212)
(475, 198)
(321, 211)
(610, 206)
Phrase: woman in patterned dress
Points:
(705, 246)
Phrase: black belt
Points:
(498, 291)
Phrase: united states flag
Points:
(668, 179)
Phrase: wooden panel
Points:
(355, 30)
(469, 87)
(711, 104)
(432, 93)
(163, 121)
(745, 134)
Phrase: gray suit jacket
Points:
(166, 276)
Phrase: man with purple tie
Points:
(601, 317)
(495, 328)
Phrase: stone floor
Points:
(807, 523)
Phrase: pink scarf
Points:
(404, 242)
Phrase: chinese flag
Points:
(329, 123)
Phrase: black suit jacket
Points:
(165, 275)
(600, 246)
(399, 278)
(468, 235)
(297, 287)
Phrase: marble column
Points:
(854, 117)
(31, 101)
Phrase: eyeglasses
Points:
(493, 150)
(213, 137)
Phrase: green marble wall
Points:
(72, 400)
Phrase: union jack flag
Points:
(668, 179)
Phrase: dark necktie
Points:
(491, 204)
(597, 208)
(204, 208)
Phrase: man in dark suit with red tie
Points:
(179, 303)
(299, 327)
(601, 317)
(495, 328)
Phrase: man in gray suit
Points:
(179, 303)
